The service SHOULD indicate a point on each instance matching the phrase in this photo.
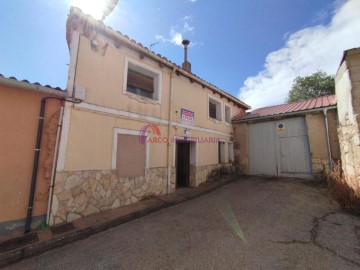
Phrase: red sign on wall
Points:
(187, 117)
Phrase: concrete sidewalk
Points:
(39, 241)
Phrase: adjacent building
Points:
(298, 139)
(348, 93)
(145, 126)
(20, 103)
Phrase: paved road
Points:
(254, 223)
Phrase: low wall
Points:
(201, 174)
(83, 193)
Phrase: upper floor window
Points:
(227, 114)
(214, 109)
(140, 84)
(142, 80)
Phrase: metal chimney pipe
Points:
(186, 65)
(185, 42)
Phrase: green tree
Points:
(313, 86)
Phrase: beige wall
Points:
(101, 72)
(19, 110)
(348, 95)
(333, 135)
(318, 143)
(90, 142)
(241, 147)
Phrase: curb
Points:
(157, 203)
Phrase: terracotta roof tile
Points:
(300, 106)
(35, 83)
(87, 16)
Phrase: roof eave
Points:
(285, 114)
(32, 87)
(153, 56)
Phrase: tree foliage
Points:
(313, 86)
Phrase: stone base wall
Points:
(320, 167)
(349, 137)
(201, 174)
(83, 193)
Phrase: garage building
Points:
(297, 139)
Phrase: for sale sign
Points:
(187, 117)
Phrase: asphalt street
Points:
(253, 223)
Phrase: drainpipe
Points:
(36, 162)
(51, 189)
(169, 126)
(328, 137)
(36, 158)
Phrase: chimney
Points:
(186, 65)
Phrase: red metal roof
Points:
(300, 106)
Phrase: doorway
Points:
(280, 148)
(182, 164)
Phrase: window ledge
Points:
(215, 120)
(141, 98)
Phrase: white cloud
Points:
(305, 52)
(188, 28)
(187, 17)
(176, 37)
(176, 34)
(192, 1)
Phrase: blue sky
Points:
(252, 49)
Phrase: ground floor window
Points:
(130, 155)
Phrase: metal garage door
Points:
(279, 148)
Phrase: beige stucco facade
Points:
(348, 94)
(19, 110)
(87, 181)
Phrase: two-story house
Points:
(145, 126)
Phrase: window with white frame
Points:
(129, 154)
(142, 80)
(227, 114)
(214, 109)
(231, 152)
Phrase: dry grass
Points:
(341, 192)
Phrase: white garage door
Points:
(279, 148)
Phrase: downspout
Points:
(36, 162)
(169, 126)
(51, 189)
(328, 137)
(36, 158)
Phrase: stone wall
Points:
(84, 193)
(320, 167)
(347, 82)
(349, 137)
(201, 174)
